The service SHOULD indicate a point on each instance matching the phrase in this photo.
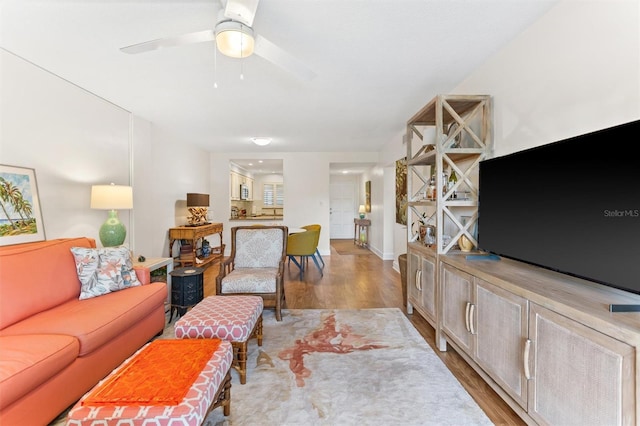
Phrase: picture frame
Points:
(401, 191)
(20, 212)
(367, 196)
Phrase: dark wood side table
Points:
(361, 226)
(187, 289)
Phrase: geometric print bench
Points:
(157, 386)
(234, 319)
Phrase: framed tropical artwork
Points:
(20, 214)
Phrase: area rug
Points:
(347, 247)
(345, 367)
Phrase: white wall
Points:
(178, 168)
(74, 139)
(71, 138)
(575, 70)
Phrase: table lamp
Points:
(113, 198)
(362, 211)
(198, 205)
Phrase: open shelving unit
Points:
(451, 133)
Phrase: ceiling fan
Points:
(234, 37)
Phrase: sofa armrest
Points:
(143, 274)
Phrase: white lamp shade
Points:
(111, 197)
(234, 39)
(362, 209)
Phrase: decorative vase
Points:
(465, 243)
(206, 248)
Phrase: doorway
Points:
(342, 209)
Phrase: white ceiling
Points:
(377, 62)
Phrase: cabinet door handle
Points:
(466, 317)
(419, 279)
(472, 312)
(525, 357)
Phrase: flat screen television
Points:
(572, 206)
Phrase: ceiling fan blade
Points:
(190, 38)
(241, 10)
(284, 60)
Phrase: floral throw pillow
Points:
(104, 270)
(87, 262)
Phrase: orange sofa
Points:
(55, 347)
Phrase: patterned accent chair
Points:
(256, 265)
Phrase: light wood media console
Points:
(546, 342)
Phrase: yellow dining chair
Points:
(303, 245)
(318, 227)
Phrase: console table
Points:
(361, 226)
(194, 234)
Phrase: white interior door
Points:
(342, 209)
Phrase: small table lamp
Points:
(362, 211)
(198, 205)
(113, 198)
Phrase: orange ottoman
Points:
(232, 318)
(167, 382)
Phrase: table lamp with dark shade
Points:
(198, 206)
(113, 198)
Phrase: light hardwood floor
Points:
(366, 281)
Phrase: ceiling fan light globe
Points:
(234, 39)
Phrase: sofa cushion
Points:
(104, 270)
(95, 321)
(27, 361)
(44, 270)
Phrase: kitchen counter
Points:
(264, 217)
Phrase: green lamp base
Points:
(361, 215)
(112, 231)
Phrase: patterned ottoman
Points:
(232, 318)
(166, 382)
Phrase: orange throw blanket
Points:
(161, 374)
